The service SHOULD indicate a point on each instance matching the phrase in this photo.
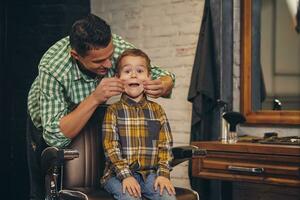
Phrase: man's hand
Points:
(163, 182)
(132, 186)
(159, 87)
(71, 124)
(107, 88)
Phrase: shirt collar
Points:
(80, 72)
(128, 101)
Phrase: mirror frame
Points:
(285, 117)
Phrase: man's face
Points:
(97, 61)
(133, 71)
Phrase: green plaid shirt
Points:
(136, 138)
(60, 86)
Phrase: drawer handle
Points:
(246, 169)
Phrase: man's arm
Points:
(60, 124)
(161, 84)
(53, 107)
(160, 87)
(168, 84)
(72, 123)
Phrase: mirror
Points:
(261, 102)
(279, 56)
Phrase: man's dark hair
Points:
(88, 33)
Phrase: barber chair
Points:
(74, 173)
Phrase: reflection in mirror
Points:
(276, 56)
(254, 89)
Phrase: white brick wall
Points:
(167, 30)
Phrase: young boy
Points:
(136, 137)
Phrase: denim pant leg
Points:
(150, 193)
(114, 187)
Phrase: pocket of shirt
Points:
(153, 129)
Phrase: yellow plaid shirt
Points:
(136, 138)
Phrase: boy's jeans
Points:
(114, 186)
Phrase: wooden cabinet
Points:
(250, 162)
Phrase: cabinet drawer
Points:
(246, 166)
(258, 167)
(213, 168)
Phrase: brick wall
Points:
(167, 30)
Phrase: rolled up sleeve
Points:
(53, 108)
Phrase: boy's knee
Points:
(165, 196)
(127, 196)
(124, 196)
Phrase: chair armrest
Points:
(52, 160)
(52, 156)
(184, 153)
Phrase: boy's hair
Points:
(136, 53)
(88, 33)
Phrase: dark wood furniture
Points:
(249, 162)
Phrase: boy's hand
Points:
(163, 182)
(132, 186)
(159, 87)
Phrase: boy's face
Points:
(134, 70)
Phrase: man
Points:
(76, 76)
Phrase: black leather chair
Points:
(74, 173)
